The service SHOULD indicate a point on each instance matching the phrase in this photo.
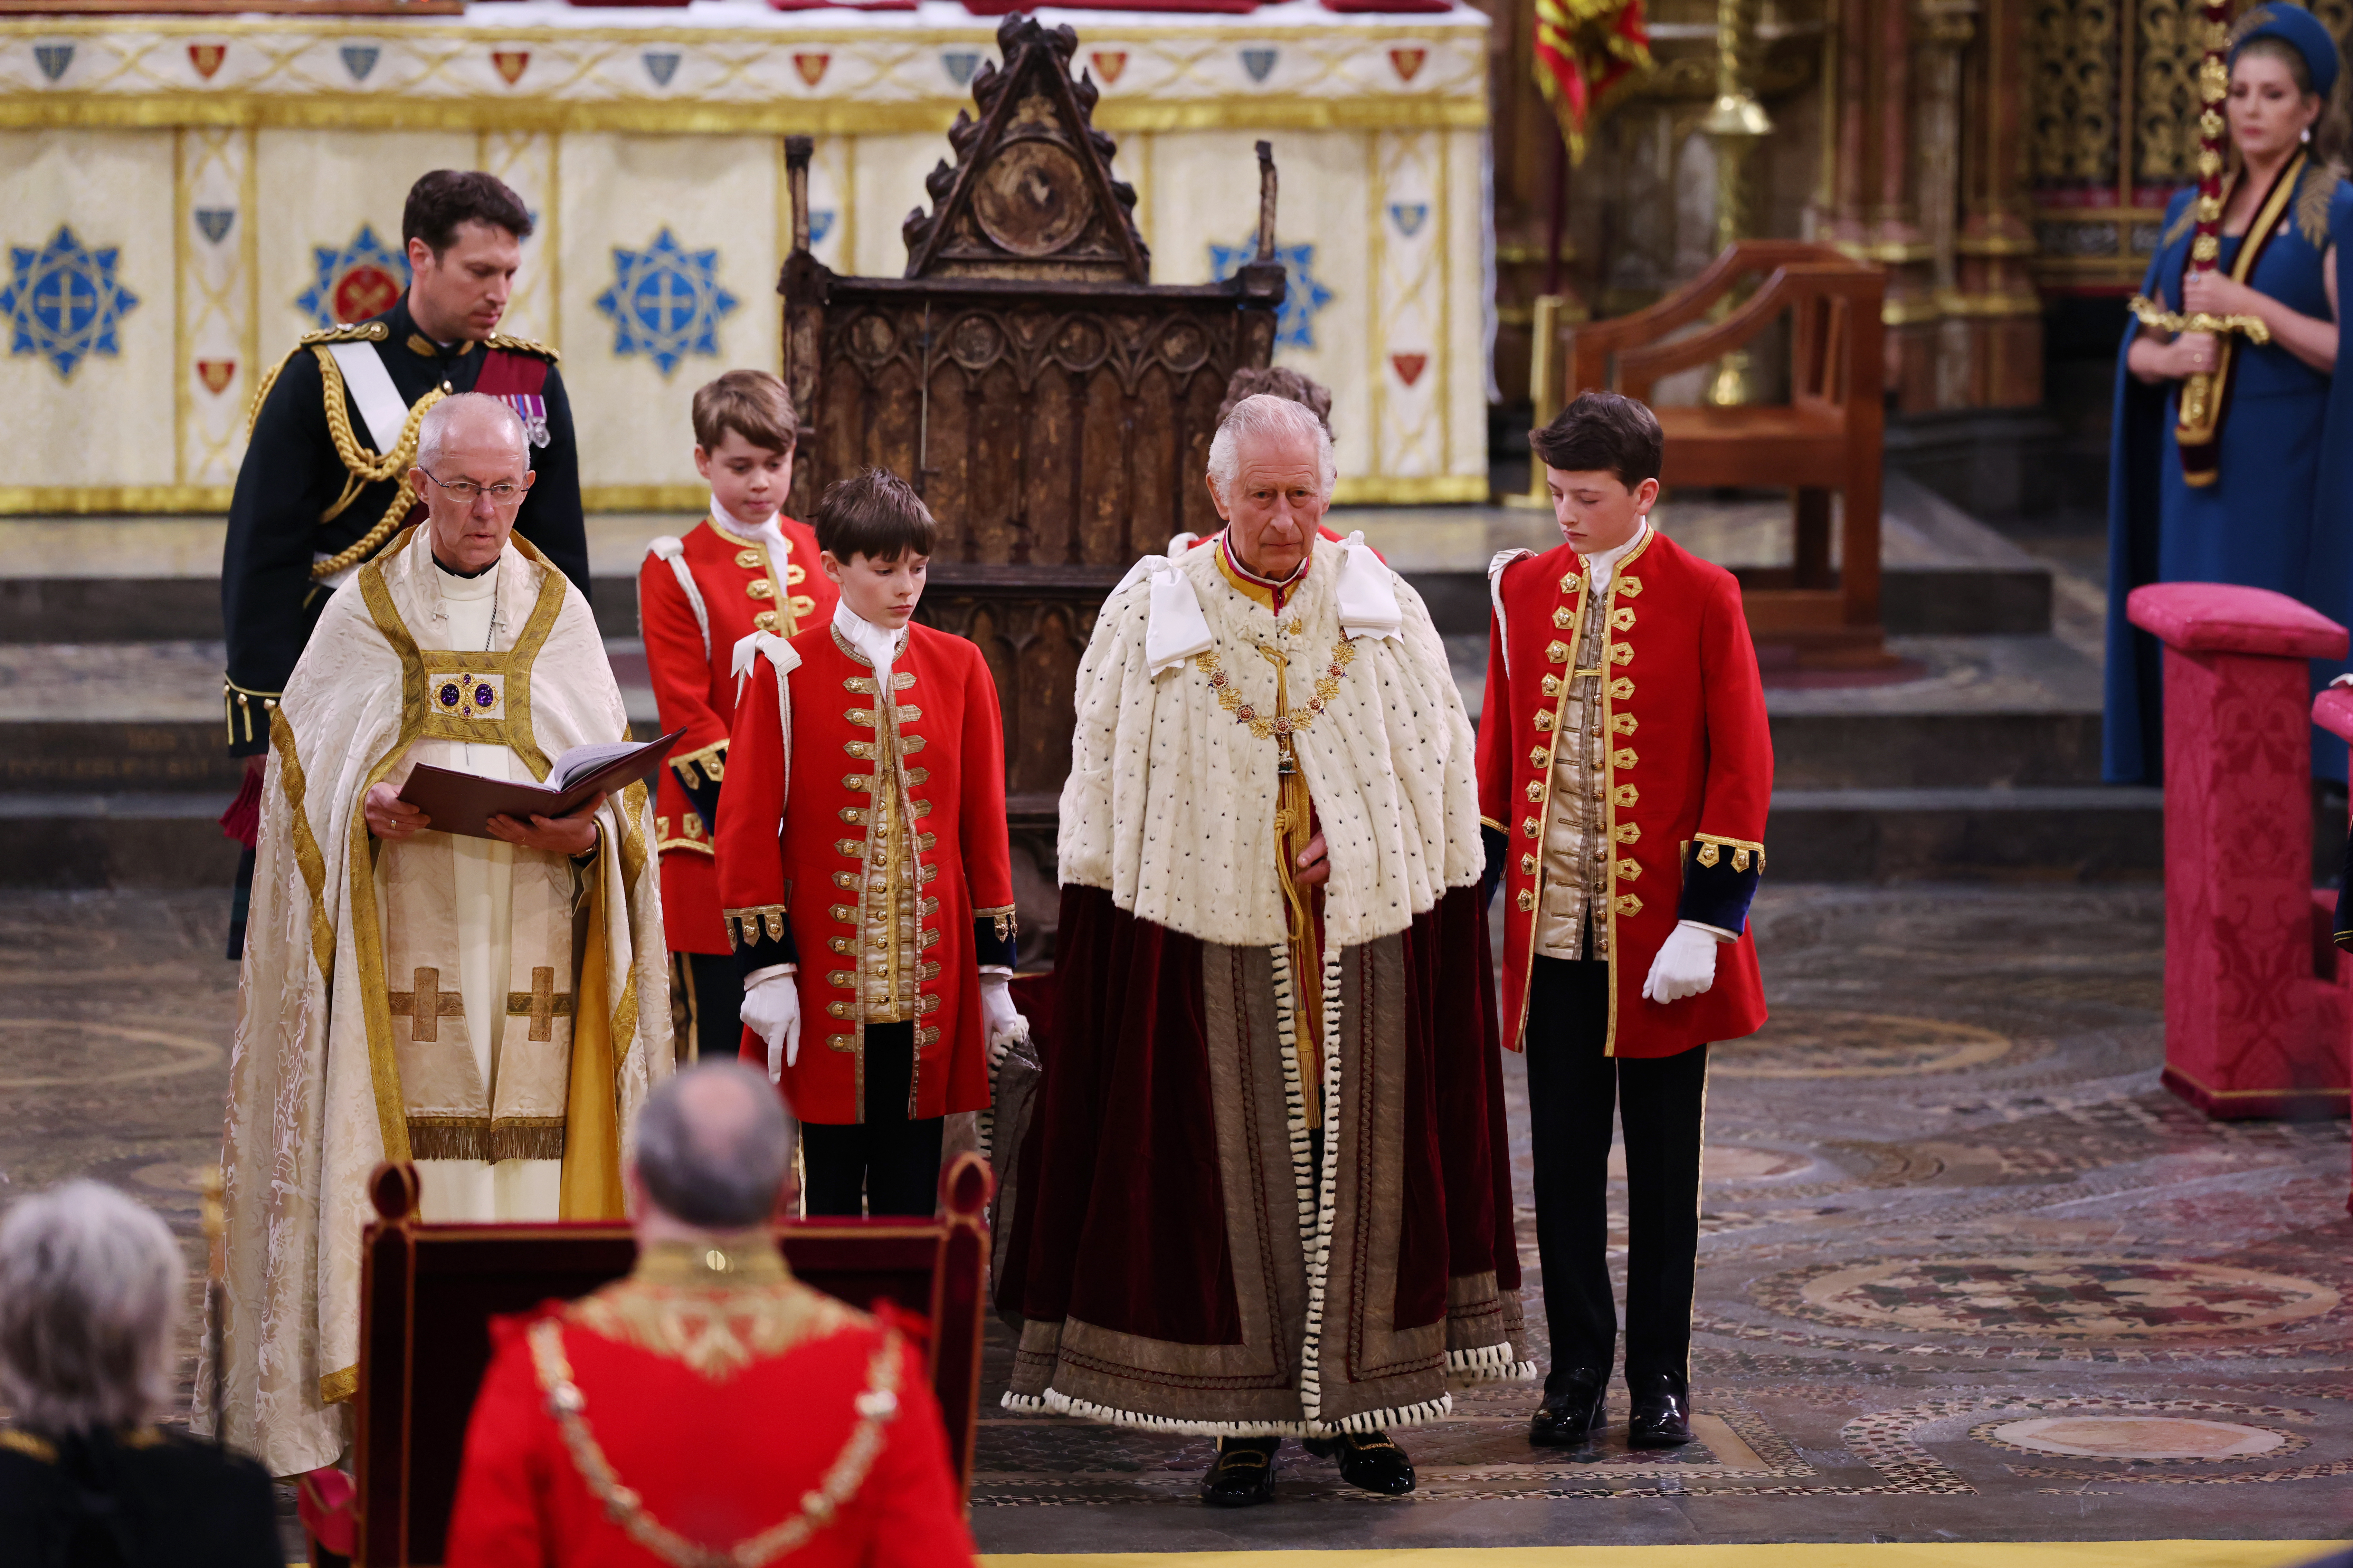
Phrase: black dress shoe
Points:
(1367, 1460)
(1569, 1418)
(1661, 1418)
(1241, 1474)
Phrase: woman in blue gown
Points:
(2269, 507)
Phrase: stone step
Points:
(146, 839)
(115, 840)
(1811, 751)
(1921, 601)
(1915, 601)
(2089, 834)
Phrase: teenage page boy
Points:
(745, 568)
(1624, 771)
(863, 865)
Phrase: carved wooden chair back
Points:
(1052, 404)
(1827, 438)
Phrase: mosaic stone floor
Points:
(1966, 1273)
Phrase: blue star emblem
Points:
(665, 302)
(354, 282)
(1296, 328)
(62, 302)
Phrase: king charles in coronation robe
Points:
(492, 1011)
(1265, 1191)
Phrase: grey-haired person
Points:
(90, 1290)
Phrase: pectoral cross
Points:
(426, 1006)
(542, 1004)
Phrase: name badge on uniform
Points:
(532, 408)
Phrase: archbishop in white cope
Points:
(494, 1010)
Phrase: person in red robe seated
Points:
(710, 1407)
(1265, 1192)
(1625, 767)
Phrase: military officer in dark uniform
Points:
(323, 484)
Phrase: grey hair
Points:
(1265, 415)
(433, 430)
(713, 1145)
(90, 1284)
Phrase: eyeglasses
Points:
(506, 492)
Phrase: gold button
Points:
(446, 387)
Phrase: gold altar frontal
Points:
(185, 196)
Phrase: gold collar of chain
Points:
(876, 1407)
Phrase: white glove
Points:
(1685, 965)
(1004, 1020)
(772, 1010)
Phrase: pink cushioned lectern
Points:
(2254, 1018)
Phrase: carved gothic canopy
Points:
(1031, 194)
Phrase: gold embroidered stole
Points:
(460, 1098)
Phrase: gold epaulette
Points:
(350, 332)
(523, 346)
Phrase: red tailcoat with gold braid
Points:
(743, 586)
(632, 1426)
(1687, 774)
(796, 892)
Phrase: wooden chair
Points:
(1052, 404)
(1826, 437)
(428, 1293)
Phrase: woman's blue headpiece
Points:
(2300, 30)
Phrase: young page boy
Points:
(745, 568)
(1624, 771)
(863, 865)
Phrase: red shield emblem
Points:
(812, 66)
(1109, 63)
(1407, 63)
(1410, 366)
(207, 57)
(365, 290)
(511, 63)
(215, 373)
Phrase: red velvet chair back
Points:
(428, 1293)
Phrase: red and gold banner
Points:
(1588, 53)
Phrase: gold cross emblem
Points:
(426, 1006)
(542, 1004)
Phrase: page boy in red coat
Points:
(745, 568)
(863, 864)
(1624, 771)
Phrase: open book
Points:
(460, 801)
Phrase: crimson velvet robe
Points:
(1216, 1233)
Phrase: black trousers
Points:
(715, 1004)
(886, 1164)
(240, 900)
(1662, 1104)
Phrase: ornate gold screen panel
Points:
(2071, 52)
(2111, 132)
